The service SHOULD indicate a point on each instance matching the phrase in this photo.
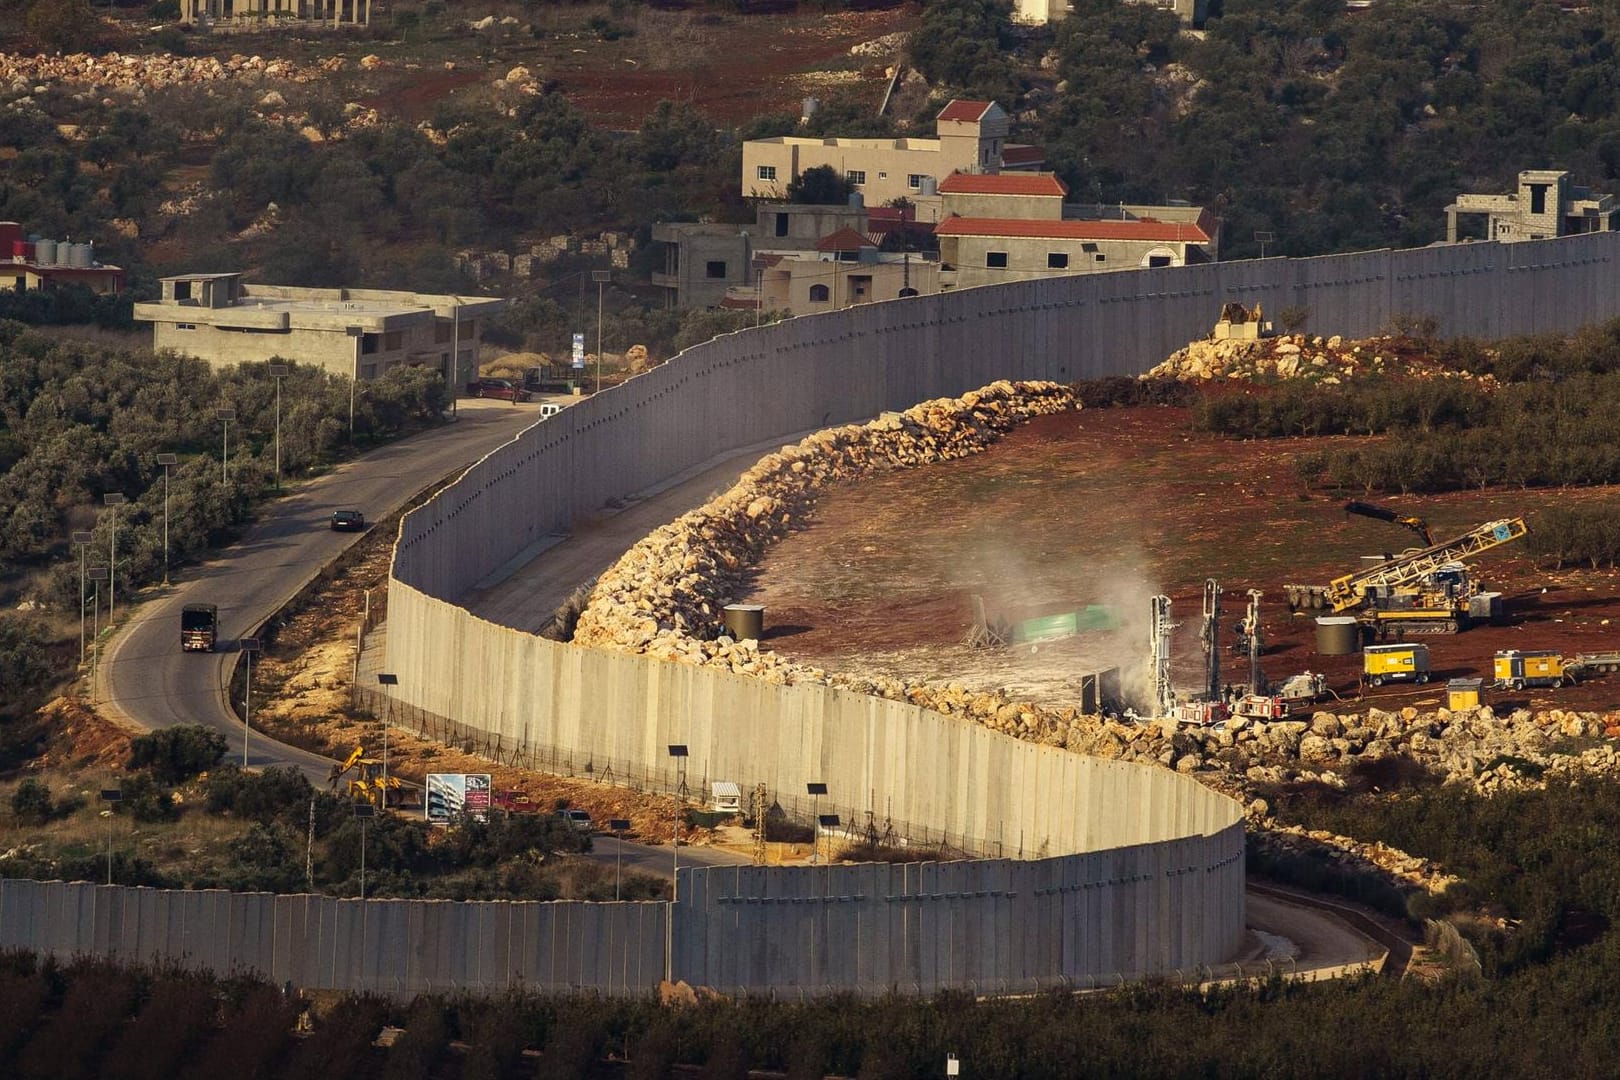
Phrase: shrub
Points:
(31, 802)
(147, 800)
(177, 754)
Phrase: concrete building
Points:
(971, 138)
(258, 14)
(357, 332)
(1545, 206)
(1041, 12)
(714, 265)
(844, 270)
(1016, 227)
(37, 263)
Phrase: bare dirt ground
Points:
(1110, 506)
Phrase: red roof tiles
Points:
(1003, 184)
(965, 110)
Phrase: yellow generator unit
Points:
(1395, 663)
(1463, 694)
(1516, 670)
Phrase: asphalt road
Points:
(147, 679)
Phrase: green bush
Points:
(145, 799)
(177, 754)
(31, 802)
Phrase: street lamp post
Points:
(82, 539)
(815, 789)
(111, 796)
(249, 645)
(278, 372)
(166, 460)
(225, 416)
(678, 752)
(601, 277)
(114, 499)
(455, 355)
(618, 826)
(98, 574)
(365, 812)
(357, 333)
(385, 678)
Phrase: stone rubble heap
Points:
(151, 72)
(665, 595)
(1297, 356)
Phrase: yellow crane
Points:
(369, 783)
(1422, 591)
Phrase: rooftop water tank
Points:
(79, 255)
(45, 252)
(857, 201)
(929, 186)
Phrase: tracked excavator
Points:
(1425, 590)
(370, 782)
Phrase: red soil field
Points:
(1109, 506)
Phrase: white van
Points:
(549, 408)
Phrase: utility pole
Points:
(249, 645)
(278, 372)
(82, 539)
(225, 416)
(113, 499)
(601, 277)
(166, 460)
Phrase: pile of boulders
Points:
(151, 72)
(1297, 356)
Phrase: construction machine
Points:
(371, 783)
(1384, 513)
(1424, 591)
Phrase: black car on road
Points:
(348, 521)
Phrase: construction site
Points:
(1120, 541)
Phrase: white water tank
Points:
(79, 256)
(45, 252)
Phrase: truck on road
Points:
(199, 627)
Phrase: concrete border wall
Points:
(765, 383)
(394, 946)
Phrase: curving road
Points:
(146, 679)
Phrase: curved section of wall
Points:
(766, 383)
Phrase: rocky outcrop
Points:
(1297, 356)
(154, 71)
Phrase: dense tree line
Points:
(182, 1024)
(1577, 535)
(79, 421)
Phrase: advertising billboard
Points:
(449, 795)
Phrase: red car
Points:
(498, 388)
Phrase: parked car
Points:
(579, 819)
(498, 388)
(348, 521)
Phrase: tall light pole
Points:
(678, 752)
(98, 574)
(249, 645)
(365, 812)
(357, 334)
(601, 277)
(455, 354)
(166, 460)
(815, 789)
(385, 678)
(617, 827)
(278, 372)
(114, 499)
(112, 797)
(82, 539)
(225, 416)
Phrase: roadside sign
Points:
(579, 352)
(449, 795)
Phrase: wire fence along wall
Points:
(862, 820)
